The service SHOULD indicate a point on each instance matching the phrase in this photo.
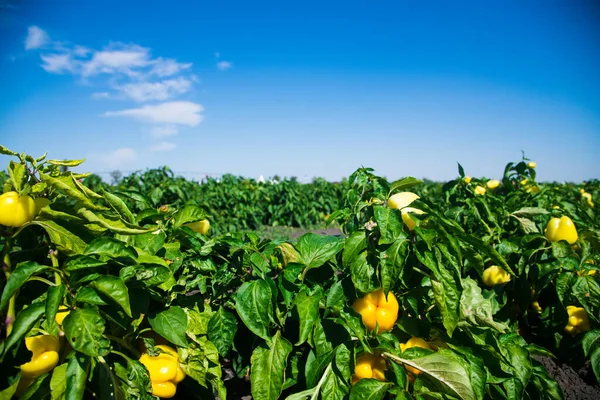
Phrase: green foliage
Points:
(128, 268)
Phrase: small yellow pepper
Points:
(532, 164)
(369, 366)
(201, 227)
(578, 321)
(165, 371)
(45, 357)
(480, 190)
(61, 315)
(535, 306)
(493, 184)
(524, 182)
(588, 198)
(467, 179)
(376, 310)
(401, 201)
(561, 229)
(495, 275)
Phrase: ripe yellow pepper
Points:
(535, 306)
(401, 201)
(165, 371)
(61, 315)
(414, 342)
(480, 190)
(532, 164)
(467, 179)
(561, 229)
(588, 198)
(376, 310)
(495, 275)
(201, 227)
(369, 366)
(16, 210)
(524, 182)
(493, 184)
(45, 357)
(578, 321)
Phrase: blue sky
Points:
(304, 88)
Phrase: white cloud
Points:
(167, 67)
(36, 38)
(58, 63)
(117, 59)
(163, 131)
(174, 112)
(100, 95)
(120, 157)
(163, 146)
(224, 65)
(146, 91)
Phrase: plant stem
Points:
(57, 278)
(7, 267)
(39, 278)
(321, 381)
(125, 345)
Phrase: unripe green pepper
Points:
(578, 321)
(561, 229)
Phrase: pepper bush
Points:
(113, 283)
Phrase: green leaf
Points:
(7, 152)
(392, 260)
(66, 241)
(189, 213)
(105, 246)
(58, 383)
(80, 262)
(17, 279)
(595, 361)
(369, 389)
(135, 380)
(355, 244)
(253, 305)
(590, 342)
(84, 329)
(475, 309)
(222, 328)
(200, 362)
(77, 372)
(16, 171)
(119, 206)
(363, 274)
(448, 371)
(65, 184)
(25, 320)
(390, 224)
(171, 324)
(547, 388)
(315, 250)
(530, 211)
(268, 368)
(113, 288)
(106, 385)
(403, 184)
(66, 163)
(113, 224)
(307, 305)
(53, 300)
(336, 385)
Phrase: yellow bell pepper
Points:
(532, 164)
(61, 315)
(369, 366)
(401, 201)
(376, 310)
(480, 190)
(524, 182)
(493, 184)
(561, 229)
(535, 306)
(45, 355)
(578, 321)
(588, 198)
(467, 179)
(495, 275)
(165, 371)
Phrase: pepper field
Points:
(461, 290)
